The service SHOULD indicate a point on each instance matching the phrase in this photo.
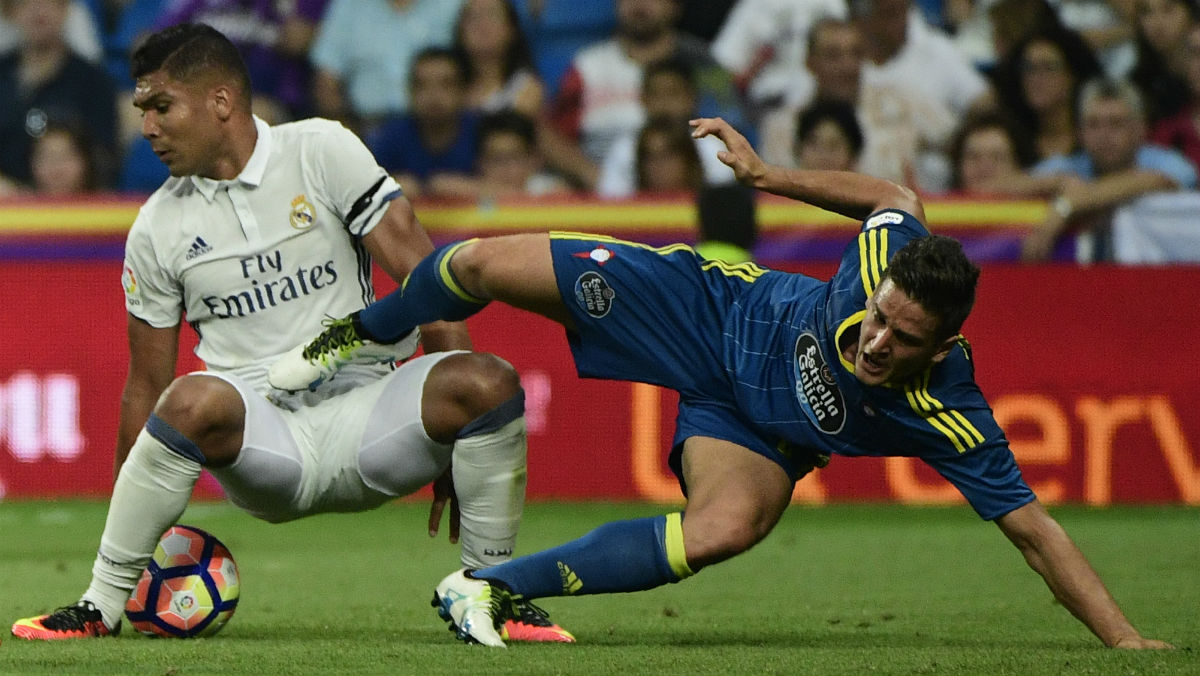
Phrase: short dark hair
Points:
(671, 65)
(934, 272)
(1021, 141)
(188, 50)
(840, 113)
(507, 122)
(439, 54)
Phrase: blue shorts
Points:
(658, 315)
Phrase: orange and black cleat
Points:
(82, 620)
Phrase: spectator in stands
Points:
(45, 82)
(1115, 165)
(1160, 70)
(274, 39)
(828, 136)
(80, 30)
(599, 97)
(667, 161)
(903, 49)
(669, 94)
(500, 72)
(763, 43)
(509, 163)
(1181, 131)
(364, 50)
(905, 133)
(728, 223)
(906, 53)
(63, 162)
(1039, 84)
(438, 136)
(989, 153)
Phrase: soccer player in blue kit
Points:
(775, 371)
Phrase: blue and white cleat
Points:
(472, 607)
(306, 366)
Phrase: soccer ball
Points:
(190, 588)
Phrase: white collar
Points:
(251, 175)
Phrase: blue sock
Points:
(622, 556)
(431, 292)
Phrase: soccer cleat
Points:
(472, 607)
(527, 622)
(82, 620)
(306, 366)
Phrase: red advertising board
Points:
(1092, 371)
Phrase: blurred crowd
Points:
(1087, 104)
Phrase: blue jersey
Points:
(754, 356)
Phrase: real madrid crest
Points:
(303, 215)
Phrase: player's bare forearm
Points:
(1051, 552)
(152, 356)
(853, 195)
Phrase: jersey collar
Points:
(251, 175)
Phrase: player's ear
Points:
(221, 99)
(943, 350)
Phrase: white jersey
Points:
(255, 263)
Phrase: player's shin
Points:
(622, 556)
(431, 292)
(489, 480)
(150, 494)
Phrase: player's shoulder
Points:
(896, 219)
(307, 128)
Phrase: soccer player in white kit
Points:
(260, 233)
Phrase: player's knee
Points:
(206, 410)
(712, 538)
(469, 263)
(465, 387)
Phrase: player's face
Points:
(897, 339)
(180, 122)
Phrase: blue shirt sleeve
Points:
(1168, 162)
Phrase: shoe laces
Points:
(339, 334)
(526, 612)
(75, 617)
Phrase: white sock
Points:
(151, 492)
(489, 479)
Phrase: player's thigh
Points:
(513, 269)
(735, 498)
(266, 477)
(395, 455)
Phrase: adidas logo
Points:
(571, 584)
(198, 248)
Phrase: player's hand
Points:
(1139, 643)
(443, 492)
(738, 155)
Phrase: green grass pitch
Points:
(834, 590)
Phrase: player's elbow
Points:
(902, 198)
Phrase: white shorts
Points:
(351, 452)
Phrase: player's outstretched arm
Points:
(1051, 552)
(842, 192)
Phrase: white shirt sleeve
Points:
(358, 190)
(152, 293)
(618, 171)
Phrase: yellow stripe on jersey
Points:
(448, 277)
(676, 557)
(872, 257)
(949, 422)
(745, 271)
(852, 320)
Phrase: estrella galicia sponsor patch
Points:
(816, 387)
(593, 294)
(885, 218)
